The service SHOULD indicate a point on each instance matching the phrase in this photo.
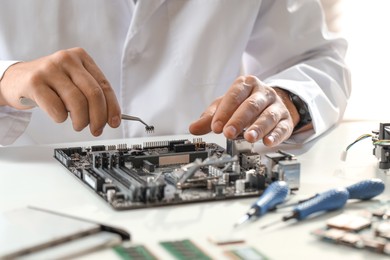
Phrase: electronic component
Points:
(169, 172)
(184, 249)
(136, 252)
(382, 146)
(245, 253)
(348, 222)
(226, 239)
(381, 141)
(284, 166)
(368, 229)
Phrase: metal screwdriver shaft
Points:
(327, 201)
(273, 195)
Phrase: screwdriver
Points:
(363, 190)
(327, 201)
(273, 195)
(367, 189)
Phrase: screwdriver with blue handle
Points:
(335, 199)
(273, 195)
(327, 201)
(367, 189)
(363, 190)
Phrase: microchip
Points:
(348, 222)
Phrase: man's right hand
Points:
(67, 81)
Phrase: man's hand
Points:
(264, 112)
(67, 81)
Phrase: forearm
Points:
(12, 122)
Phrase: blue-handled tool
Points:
(367, 189)
(363, 190)
(273, 195)
(327, 201)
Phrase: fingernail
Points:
(253, 134)
(271, 138)
(115, 121)
(98, 132)
(217, 127)
(231, 131)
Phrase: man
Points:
(166, 61)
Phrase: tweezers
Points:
(148, 128)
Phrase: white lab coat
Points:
(169, 59)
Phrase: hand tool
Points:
(148, 128)
(367, 189)
(363, 190)
(273, 195)
(327, 201)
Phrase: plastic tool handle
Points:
(366, 189)
(330, 200)
(273, 195)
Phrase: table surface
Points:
(30, 176)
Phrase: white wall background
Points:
(366, 26)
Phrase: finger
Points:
(112, 105)
(247, 113)
(272, 126)
(73, 67)
(51, 103)
(280, 133)
(237, 93)
(203, 124)
(72, 97)
(97, 107)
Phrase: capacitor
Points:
(236, 167)
(209, 184)
(249, 174)
(110, 195)
(240, 186)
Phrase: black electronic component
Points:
(97, 148)
(165, 173)
(382, 146)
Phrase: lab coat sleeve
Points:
(291, 48)
(12, 122)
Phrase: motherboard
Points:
(172, 172)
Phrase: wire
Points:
(360, 138)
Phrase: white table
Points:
(30, 176)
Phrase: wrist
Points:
(300, 110)
(285, 96)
